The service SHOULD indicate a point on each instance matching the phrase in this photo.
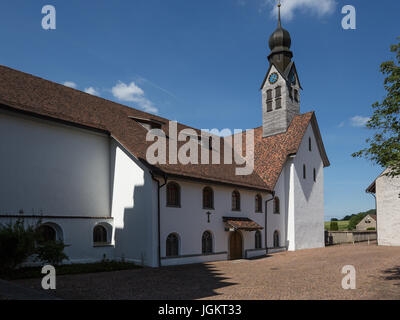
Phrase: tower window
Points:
(269, 94)
(296, 95)
(290, 93)
(269, 106)
(309, 144)
(278, 92)
(304, 172)
(278, 103)
(315, 175)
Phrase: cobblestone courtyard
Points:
(308, 274)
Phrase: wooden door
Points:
(235, 246)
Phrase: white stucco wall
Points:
(278, 222)
(77, 234)
(388, 210)
(78, 177)
(52, 169)
(190, 221)
(134, 208)
(309, 195)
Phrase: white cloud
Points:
(341, 125)
(133, 93)
(359, 121)
(70, 84)
(290, 7)
(92, 91)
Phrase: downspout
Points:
(266, 220)
(376, 212)
(158, 213)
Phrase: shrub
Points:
(51, 252)
(334, 226)
(371, 229)
(18, 243)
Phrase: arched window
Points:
(258, 203)
(277, 205)
(100, 234)
(48, 233)
(208, 198)
(258, 240)
(304, 172)
(206, 243)
(276, 239)
(172, 247)
(235, 201)
(173, 195)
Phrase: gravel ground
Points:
(307, 274)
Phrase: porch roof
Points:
(245, 224)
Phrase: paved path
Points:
(307, 274)
(12, 291)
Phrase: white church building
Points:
(77, 163)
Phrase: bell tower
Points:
(281, 86)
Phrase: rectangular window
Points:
(278, 103)
(269, 106)
(278, 92)
(315, 175)
(269, 95)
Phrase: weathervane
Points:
(279, 12)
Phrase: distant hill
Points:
(350, 222)
(347, 218)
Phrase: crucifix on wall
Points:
(208, 216)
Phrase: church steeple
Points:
(281, 87)
(279, 43)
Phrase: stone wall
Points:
(338, 237)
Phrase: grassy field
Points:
(342, 225)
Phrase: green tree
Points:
(355, 220)
(334, 226)
(384, 146)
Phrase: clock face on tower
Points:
(273, 78)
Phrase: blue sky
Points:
(202, 63)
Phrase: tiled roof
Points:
(241, 224)
(26, 93)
